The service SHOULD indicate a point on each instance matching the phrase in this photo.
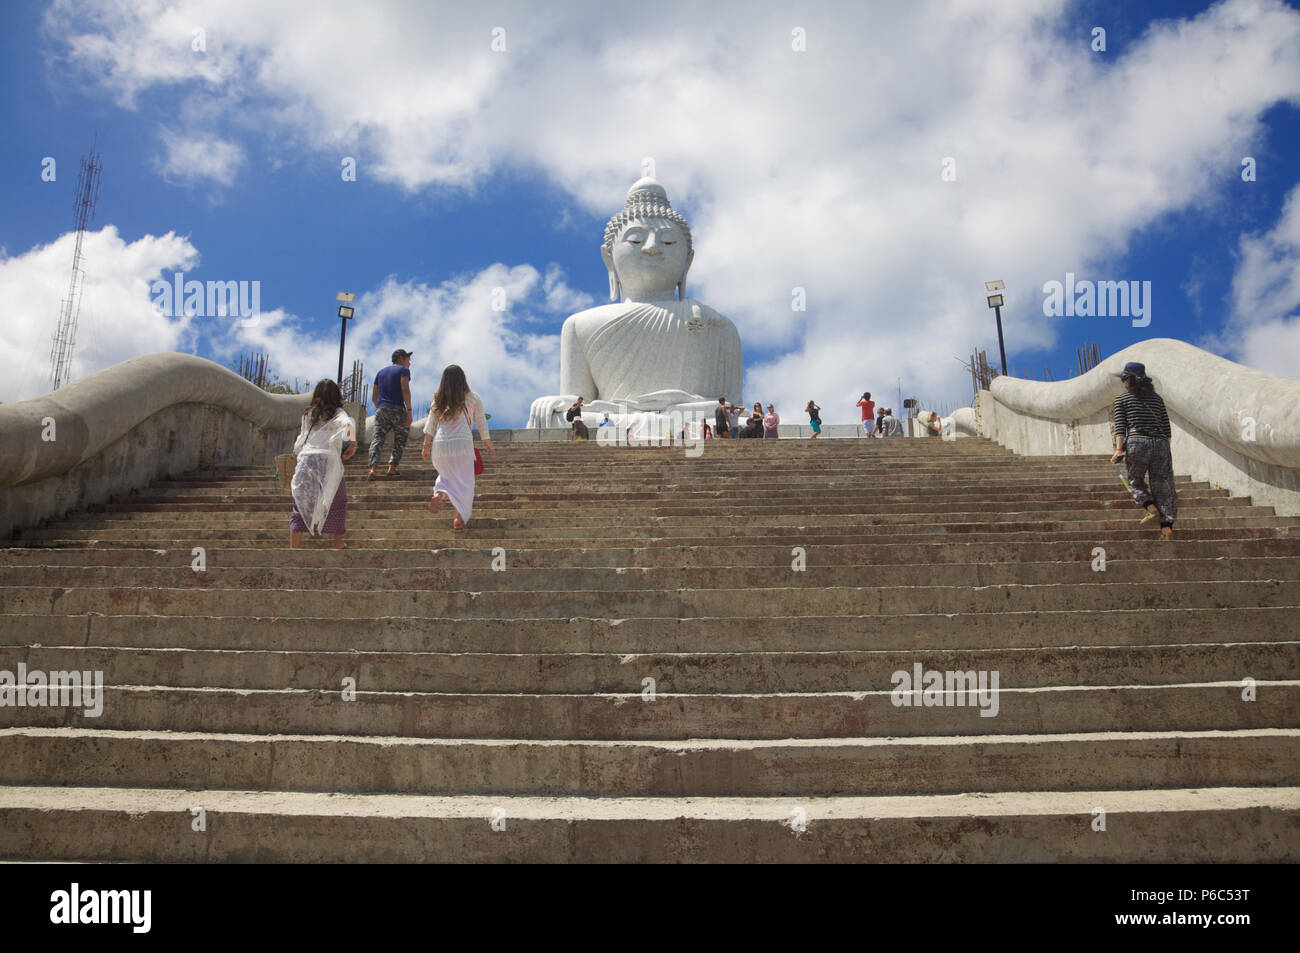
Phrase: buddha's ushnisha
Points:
(653, 349)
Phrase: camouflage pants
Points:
(1148, 461)
(389, 419)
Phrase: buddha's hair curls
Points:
(644, 204)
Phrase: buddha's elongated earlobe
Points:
(681, 285)
(615, 286)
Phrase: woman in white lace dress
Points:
(449, 443)
(320, 498)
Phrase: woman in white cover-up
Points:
(449, 443)
(327, 438)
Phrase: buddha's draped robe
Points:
(651, 348)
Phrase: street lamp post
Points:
(345, 313)
(995, 302)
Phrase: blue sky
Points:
(819, 169)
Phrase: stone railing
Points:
(1233, 426)
(133, 423)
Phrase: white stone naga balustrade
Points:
(133, 423)
(1233, 426)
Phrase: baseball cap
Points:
(399, 354)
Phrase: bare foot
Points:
(435, 504)
(1166, 532)
(457, 524)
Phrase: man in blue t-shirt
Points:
(392, 397)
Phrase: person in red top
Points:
(868, 413)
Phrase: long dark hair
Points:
(326, 400)
(1142, 386)
(451, 393)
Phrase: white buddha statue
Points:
(656, 355)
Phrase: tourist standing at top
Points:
(1142, 438)
(392, 399)
(449, 443)
(770, 422)
(868, 413)
(891, 426)
(733, 421)
(328, 437)
(574, 416)
(815, 418)
(721, 425)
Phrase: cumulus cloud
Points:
(190, 158)
(117, 319)
(485, 315)
(484, 320)
(817, 169)
(1265, 327)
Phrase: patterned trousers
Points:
(1148, 460)
(389, 419)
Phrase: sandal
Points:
(1166, 533)
(457, 524)
(1148, 518)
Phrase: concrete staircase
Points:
(508, 713)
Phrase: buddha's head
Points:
(647, 246)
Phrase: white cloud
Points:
(817, 169)
(1265, 328)
(560, 298)
(486, 315)
(441, 324)
(117, 320)
(191, 158)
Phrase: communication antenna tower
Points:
(83, 208)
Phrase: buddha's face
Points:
(650, 258)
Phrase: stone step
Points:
(1203, 825)
(413, 516)
(685, 557)
(526, 579)
(684, 603)
(799, 530)
(250, 512)
(1183, 707)
(681, 672)
(608, 481)
(695, 768)
(785, 482)
(864, 491)
(468, 539)
(375, 632)
(703, 471)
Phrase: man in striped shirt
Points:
(1142, 435)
